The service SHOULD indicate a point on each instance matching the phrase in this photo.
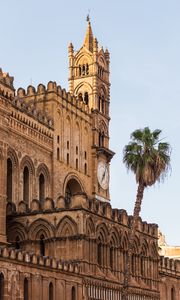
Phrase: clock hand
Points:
(104, 174)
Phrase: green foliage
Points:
(147, 156)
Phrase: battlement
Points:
(42, 94)
(169, 266)
(6, 85)
(32, 111)
(19, 256)
(80, 201)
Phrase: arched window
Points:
(111, 258)
(41, 188)
(76, 149)
(173, 297)
(99, 253)
(83, 70)
(17, 244)
(86, 98)
(99, 103)
(9, 182)
(73, 293)
(76, 164)
(50, 291)
(1, 286)
(103, 105)
(79, 70)
(26, 185)
(68, 196)
(58, 153)
(80, 97)
(101, 139)
(87, 69)
(26, 289)
(42, 245)
(67, 158)
(85, 168)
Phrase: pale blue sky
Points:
(143, 38)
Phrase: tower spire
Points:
(88, 40)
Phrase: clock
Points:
(103, 175)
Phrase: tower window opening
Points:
(42, 245)
(80, 70)
(76, 164)
(101, 139)
(26, 185)
(85, 154)
(83, 70)
(41, 188)
(172, 294)
(85, 169)
(103, 103)
(9, 182)
(86, 98)
(76, 149)
(99, 103)
(58, 139)
(1, 286)
(17, 244)
(68, 145)
(87, 69)
(73, 293)
(67, 158)
(50, 291)
(58, 153)
(68, 195)
(80, 97)
(26, 288)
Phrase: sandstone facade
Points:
(60, 237)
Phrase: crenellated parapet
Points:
(169, 266)
(43, 97)
(6, 85)
(23, 257)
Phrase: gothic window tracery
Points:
(41, 188)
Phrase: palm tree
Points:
(149, 159)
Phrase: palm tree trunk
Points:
(137, 209)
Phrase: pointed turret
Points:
(88, 41)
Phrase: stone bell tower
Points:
(89, 82)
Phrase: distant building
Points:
(59, 236)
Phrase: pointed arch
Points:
(43, 179)
(67, 227)
(12, 176)
(41, 227)
(15, 230)
(1, 286)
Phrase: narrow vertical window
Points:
(111, 257)
(17, 244)
(99, 103)
(99, 254)
(85, 169)
(41, 188)
(85, 155)
(1, 286)
(42, 245)
(173, 294)
(67, 158)
(26, 289)
(86, 98)
(68, 145)
(103, 104)
(87, 69)
(79, 70)
(50, 291)
(76, 150)
(26, 185)
(58, 153)
(9, 183)
(76, 164)
(58, 139)
(73, 293)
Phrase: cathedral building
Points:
(60, 239)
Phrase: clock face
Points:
(103, 175)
